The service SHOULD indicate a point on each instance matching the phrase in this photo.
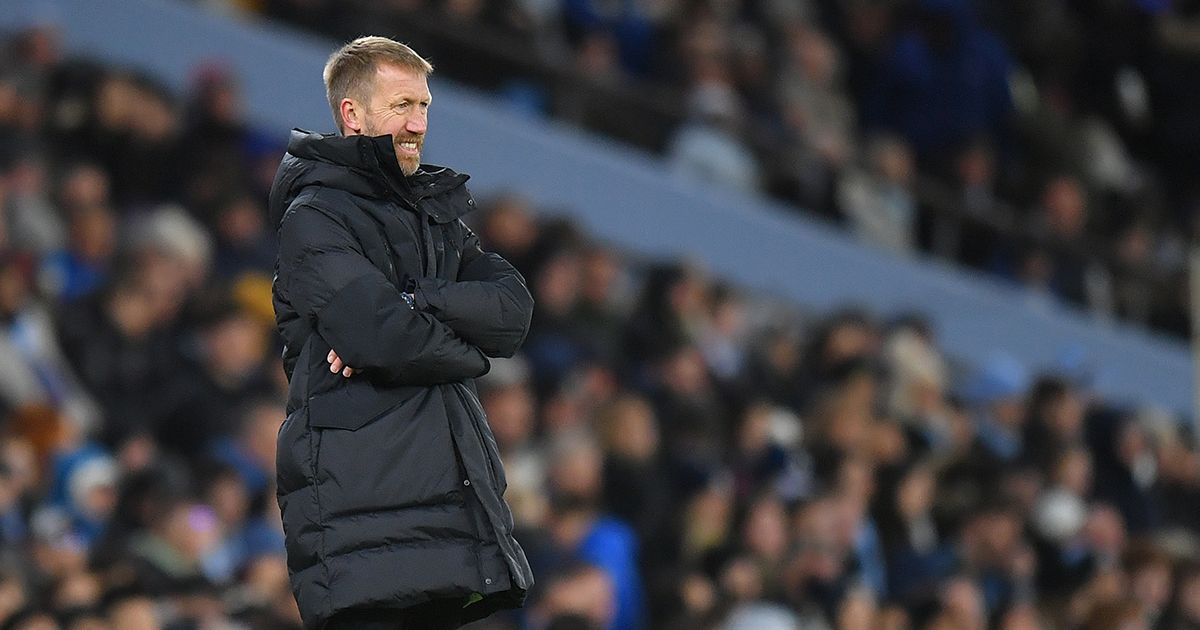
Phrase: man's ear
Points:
(351, 120)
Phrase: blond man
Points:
(389, 480)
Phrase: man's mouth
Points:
(411, 148)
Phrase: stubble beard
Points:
(408, 165)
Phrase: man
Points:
(389, 479)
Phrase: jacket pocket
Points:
(353, 405)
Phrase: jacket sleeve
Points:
(328, 279)
(489, 306)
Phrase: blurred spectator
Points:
(215, 134)
(917, 557)
(692, 418)
(879, 203)
(812, 93)
(1150, 576)
(82, 268)
(708, 147)
(917, 386)
(603, 541)
(1061, 511)
(37, 372)
(83, 493)
(120, 351)
(1056, 423)
(943, 81)
(224, 375)
(758, 458)
(1125, 470)
(724, 337)
(963, 232)
(243, 242)
(83, 185)
(243, 537)
(1132, 296)
(167, 557)
(509, 402)
(599, 312)
(578, 598)
(509, 228)
(818, 120)
(250, 451)
(1187, 599)
(775, 365)
(145, 170)
(628, 24)
(1064, 215)
(136, 613)
(555, 343)
(669, 313)
(998, 390)
(634, 478)
(177, 245)
(961, 607)
(34, 222)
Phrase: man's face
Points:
(397, 105)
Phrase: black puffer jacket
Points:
(389, 481)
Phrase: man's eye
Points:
(402, 105)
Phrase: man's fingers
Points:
(337, 365)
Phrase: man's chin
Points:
(408, 166)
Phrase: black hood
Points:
(360, 165)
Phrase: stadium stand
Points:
(1043, 143)
(682, 452)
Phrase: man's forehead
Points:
(395, 80)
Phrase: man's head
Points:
(377, 86)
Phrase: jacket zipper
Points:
(391, 254)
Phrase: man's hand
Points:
(336, 365)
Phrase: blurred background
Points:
(851, 314)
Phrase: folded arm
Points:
(362, 316)
(489, 305)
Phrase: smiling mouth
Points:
(412, 148)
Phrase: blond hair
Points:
(351, 68)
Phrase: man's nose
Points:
(416, 124)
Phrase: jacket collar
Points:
(362, 165)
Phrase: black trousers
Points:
(439, 614)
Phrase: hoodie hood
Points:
(361, 165)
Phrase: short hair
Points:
(351, 68)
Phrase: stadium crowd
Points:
(1049, 143)
(680, 454)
